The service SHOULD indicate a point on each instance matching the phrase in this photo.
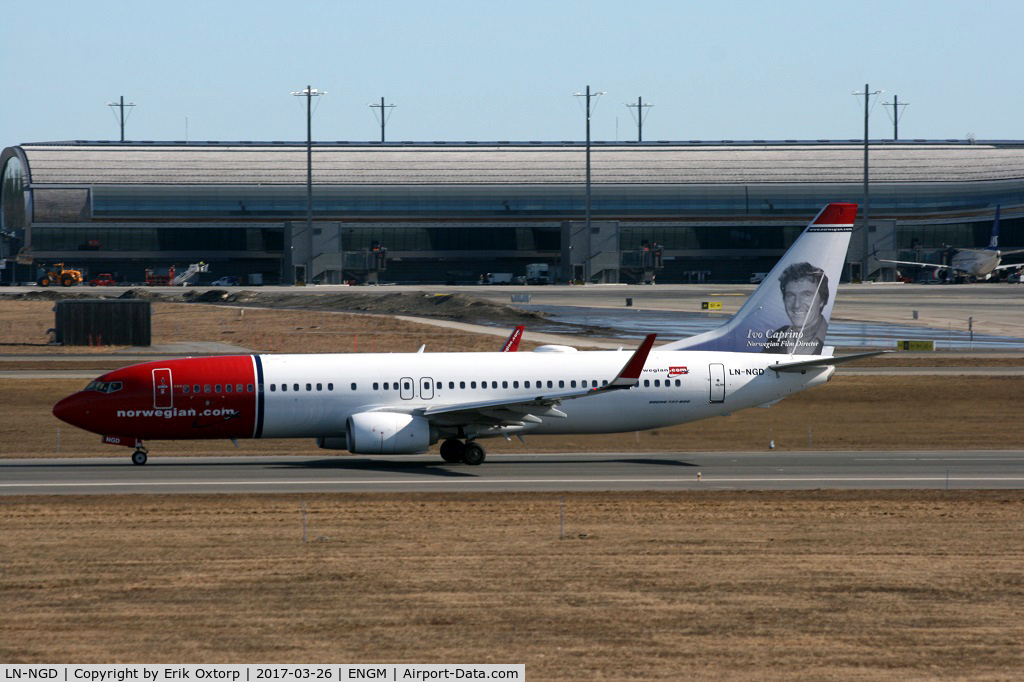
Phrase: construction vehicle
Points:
(60, 275)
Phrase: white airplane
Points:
(974, 264)
(403, 403)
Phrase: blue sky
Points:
(506, 71)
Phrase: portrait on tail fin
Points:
(804, 290)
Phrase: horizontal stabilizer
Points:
(823, 362)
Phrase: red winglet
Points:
(512, 342)
(837, 214)
(630, 374)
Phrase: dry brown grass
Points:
(795, 585)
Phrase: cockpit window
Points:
(105, 386)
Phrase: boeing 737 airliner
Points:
(403, 403)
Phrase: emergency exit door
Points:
(717, 382)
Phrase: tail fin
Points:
(790, 310)
(993, 242)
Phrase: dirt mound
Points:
(140, 293)
(51, 295)
(460, 307)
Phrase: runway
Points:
(937, 470)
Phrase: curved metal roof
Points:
(665, 163)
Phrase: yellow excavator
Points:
(60, 275)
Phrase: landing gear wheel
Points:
(139, 457)
(451, 450)
(473, 454)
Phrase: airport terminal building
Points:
(452, 211)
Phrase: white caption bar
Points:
(261, 673)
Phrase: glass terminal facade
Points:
(448, 213)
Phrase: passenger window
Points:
(604, 382)
(330, 387)
(584, 384)
(472, 384)
(353, 387)
(439, 385)
(657, 383)
(406, 385)
(228, 388)
(238, 388)
(284, 387)
(319, 387)
(184, 389)
(451, 384)
(249, 388)
(309, 387)
(396, 385)
(206, 388)
(572, 383)
(462, 384)
(561, 383)
(678, 382)
(515, 384)
(296, 386)
(526, 384)
(216, 388)
(376, 386)
(273, 387)
(387, 385)
(195, 388)
(647, 382)
(504, 384)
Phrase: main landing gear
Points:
(141, 454)
(453, 450)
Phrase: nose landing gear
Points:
(453, 450)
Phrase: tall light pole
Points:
(384, 115)
(121, 105)
(640, 115)
(895, 104)
(589, 111)
(867, 196)
(309, 93)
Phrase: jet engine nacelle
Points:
(388, 433)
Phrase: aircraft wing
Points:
(530, 409)
(920, 265)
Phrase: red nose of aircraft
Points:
(73, 410)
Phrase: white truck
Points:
(538, 273)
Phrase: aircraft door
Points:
(406, 389)
(163, 396)
(426, 388)
(717, 376)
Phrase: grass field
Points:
(812, 585)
